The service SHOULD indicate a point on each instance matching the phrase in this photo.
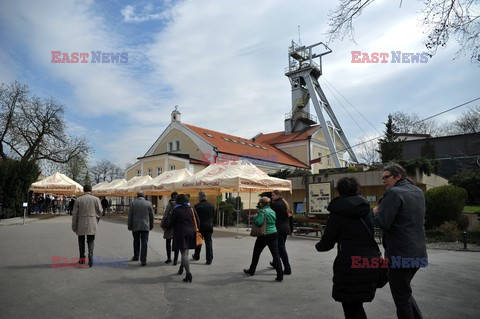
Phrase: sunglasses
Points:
(384, 178)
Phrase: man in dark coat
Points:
(205, 212)
(401, 216)
(140, 222)
(104, 205)
(284, 226)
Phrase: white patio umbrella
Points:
(128, 189)
(109, 188)
(157, 185)
(57, 183)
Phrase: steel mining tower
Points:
(303, 73)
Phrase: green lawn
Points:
(471, 209)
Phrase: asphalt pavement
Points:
(31, 288)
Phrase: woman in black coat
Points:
(351, 286)
(184, 234)
(284, 226)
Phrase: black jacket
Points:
(402, 214)
(345, 228)
(205, 214)
(284, 223)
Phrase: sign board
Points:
(319, 196)
(25, 204)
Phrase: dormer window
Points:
(173, 146)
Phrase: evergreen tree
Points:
(390, 148)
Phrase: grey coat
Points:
(140, 216)
(84, 215)
(401, 217)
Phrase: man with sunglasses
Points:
(401, 216)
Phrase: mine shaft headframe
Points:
(301, 57)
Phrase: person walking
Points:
(168, 232)
(104, 205)
(183, 220)
(140, 222)
(284, 226)
(267, 215)
(71, 203)
(401, 216)
(205, 212)
(348, 212)
(85, 216)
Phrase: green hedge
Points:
(15, 180)
(444, 203)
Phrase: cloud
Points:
(222, 62)
(146, 13)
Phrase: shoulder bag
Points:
(258, 231)
(383, 270)
(198, 237)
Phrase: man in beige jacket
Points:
(85, 217)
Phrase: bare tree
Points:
(367, 150)
(105, 170)
(412, 123)
(34, 129)
(443, 19)
(469, 122)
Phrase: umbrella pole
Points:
(249, 207)
(238, 214)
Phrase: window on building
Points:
(172, 167)
(149, 171)
(139, 172)
(173, 146)
(328, 160)
(159, 171)
(320, 158)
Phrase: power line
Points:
(324, 79)
(430, 117)
(343, 106)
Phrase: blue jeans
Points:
(140, 237)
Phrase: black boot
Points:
(188, 277)
(180, 270)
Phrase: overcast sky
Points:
(222, 62)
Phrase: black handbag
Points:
(258, 231)
(382, 268)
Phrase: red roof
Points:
(234, 145)
(281, 137)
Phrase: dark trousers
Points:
(282, 251)
(168, 243)
(140, 242)
(354, 310)
(207, 238)
(81, 245)
(399, 280)
(271, 241)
